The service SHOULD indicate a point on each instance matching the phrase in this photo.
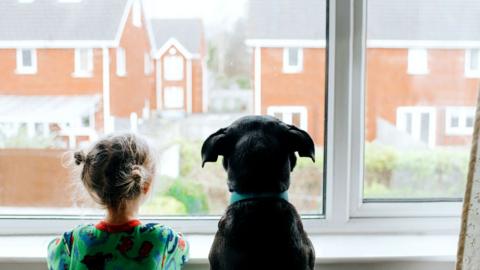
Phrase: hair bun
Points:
(79, 157)
(137, 173)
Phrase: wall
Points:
(389, 86)
(129, 93)
(290, 89)
(34, 177)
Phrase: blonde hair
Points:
(116, 168)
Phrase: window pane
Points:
(474, 59)
(27, 58)
(199, 76)
(423, 152)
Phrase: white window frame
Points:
(287, 114)
(462, 112)
(121, 62)
(469, 72)
(137, 13)
(21, 69)
(79, 72)
(345, 209)
(170, 72)
(287, 66)
(416, 112)
(178, 104)
(417, 61)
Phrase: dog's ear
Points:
(301, 142)
(213, 146)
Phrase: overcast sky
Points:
(216, 14)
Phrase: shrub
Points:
(189, 193)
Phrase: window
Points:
(137, 13)
(418, 123)
(173, 68)
(26, 61)
(417, 61)
(83, 62)
(121, 62)
(293, 115)
(292, 60)
(409, 120)
(174, 97)
(148, 64)
(472, 63)
(386, 163)
(459, 120)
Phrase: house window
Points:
(417, 61)
(121, 62)
(26, 61)
(292, 115)
(418, 122)
(83, 62)
(174, 97)
(148, 64)
(459, 120)
(292, 60)
(173, 68)
(472, 63)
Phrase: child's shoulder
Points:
(156, 228)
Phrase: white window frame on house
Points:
(173, 68)
(174, 97)
(121, 62)
(287, 114)
(346, 211)
(417, 61)
(83, 71)
(469, 72)
(462, 113)
(289, 67)
(137, 13)
(416, 113)
(21, 69)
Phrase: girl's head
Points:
(117, 169)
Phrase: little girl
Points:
(118, 172)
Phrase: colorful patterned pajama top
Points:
(117, 247)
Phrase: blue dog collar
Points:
(235, 197)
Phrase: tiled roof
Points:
(386, 20)
(186, 31)
(55, 20)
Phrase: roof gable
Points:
(405, 20)
(54, 21)
(186, 33)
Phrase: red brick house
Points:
(72, 66)
(179, 53)
(422, 68)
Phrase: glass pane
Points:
(27, 58)
(474, 57)
(217, 68)
(293, 56)
(426, 158)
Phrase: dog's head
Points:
(258, 153)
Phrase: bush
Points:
(189, 193)
(164, 205)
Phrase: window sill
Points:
(82, 75)
(328, 248)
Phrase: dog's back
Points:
(262, 233)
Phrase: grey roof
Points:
(386, 20)
(54, 20)
(189, 32)
(286, 19)
(424, 20)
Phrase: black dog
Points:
(260, 229)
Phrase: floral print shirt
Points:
(127, 246)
